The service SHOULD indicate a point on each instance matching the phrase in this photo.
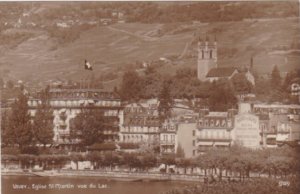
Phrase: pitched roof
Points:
(217, 114)
(239, 75)
(221, 72)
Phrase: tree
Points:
(275, 77)
(168, 160)
(76, 158)
(241, 84)
(10, 84)
(20, 122)
(130, 86)
(132, 161)
(6, 133)
(88, 127)
(165, 102)
(184, 163)
(43, 120)
(290, 78)
(186, 73)
(1, 82)
(150, 69)
(151, 85)
(149, 161)
(262, 89)
(222, 96)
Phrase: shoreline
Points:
(116, 176)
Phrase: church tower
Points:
(207, 57)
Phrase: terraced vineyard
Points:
(114, 47)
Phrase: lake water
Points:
(82, 185)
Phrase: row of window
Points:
(82, 94)
(278, 110)
(168, 138)
(214, 134)
(140, 129)
(215, 123)
(138, 138)
(75, 103)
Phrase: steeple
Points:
(207, 57)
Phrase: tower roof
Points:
(221, 72)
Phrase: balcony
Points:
(63, 132)
(166, 142)
(214, 139)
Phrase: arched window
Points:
(210, 54)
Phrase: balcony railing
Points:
(63, 132)
(167, 142)
(214, 139)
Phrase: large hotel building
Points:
(67, 103)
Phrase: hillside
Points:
(36, 54)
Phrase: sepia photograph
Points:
(151, 97)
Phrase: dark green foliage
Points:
(130, 86)
(43, 120)
(132, 161)
(1, 82)
(129, 145)
(292, 76)
(10, 150)
(19, 123)
(275, 77)
(151, 84)
(150, 69)
(241, 84)
(149, 160)
(182, 85)
(165, 102)
(168, 160)
(10, 84)
(222, 96)
(103, 146)
(30, 150)
(6, 133)
(186, 73)
(88, 127)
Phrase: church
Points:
(207, 64)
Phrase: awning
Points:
(271, 135)
(91, 101)
(281, 137)
(63, 110)
(203, 143)
(222, 143)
